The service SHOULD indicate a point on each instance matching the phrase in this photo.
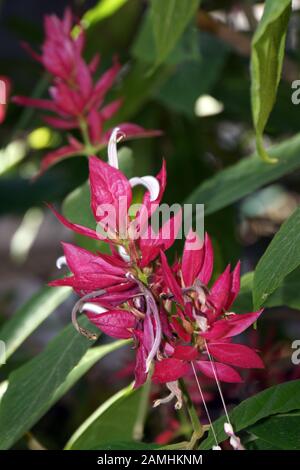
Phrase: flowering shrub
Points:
(200, 359)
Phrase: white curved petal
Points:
(123, 253)
(94, 308)
(228, 429)
(149, 182)
(216, 448)
(112, 151)
(61, 261)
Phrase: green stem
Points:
(198, 429)
(138, 430)
(89, 148)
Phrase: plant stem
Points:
(89, 148)
(138, 430)
(198, 429)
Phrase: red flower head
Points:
(77, 100)
(115, 289)
(203, 323)
(177, 321)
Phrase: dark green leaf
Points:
(169, 20)
(203, 71)
(281, 432)
(266, 64)
(281, 398)
(144, 46)
(260, 444)
(281, 258)
(288, 293)
(246, 176)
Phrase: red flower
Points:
(114, 289)
(77, 99)
(204, 319)
(177, 322)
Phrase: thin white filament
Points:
(217, 382)
(228, 428)
(205, 407)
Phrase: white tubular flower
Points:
(123, 253)
(115, 137)
(94, 308)
(61, 261)
(216, 448)
(234, 440)
(175, 393)
(149, 182)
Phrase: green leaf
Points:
(113, 421)
(260, 444)
(203, 72)
(281, 432)
(30, 316)
(266, 64)
(281, 398)
(281, 258)
(37, 385)
(103, 9)
(169, 20)
(3, 388)
(76, 206)
(288, 293)
(246, 176)
(144, 49)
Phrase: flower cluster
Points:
(77, 99)
(178, 321)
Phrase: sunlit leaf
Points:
(266, 64)
(37, 385)
(101, 10)
(113, 421)
(30, 316)
(249, 174)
